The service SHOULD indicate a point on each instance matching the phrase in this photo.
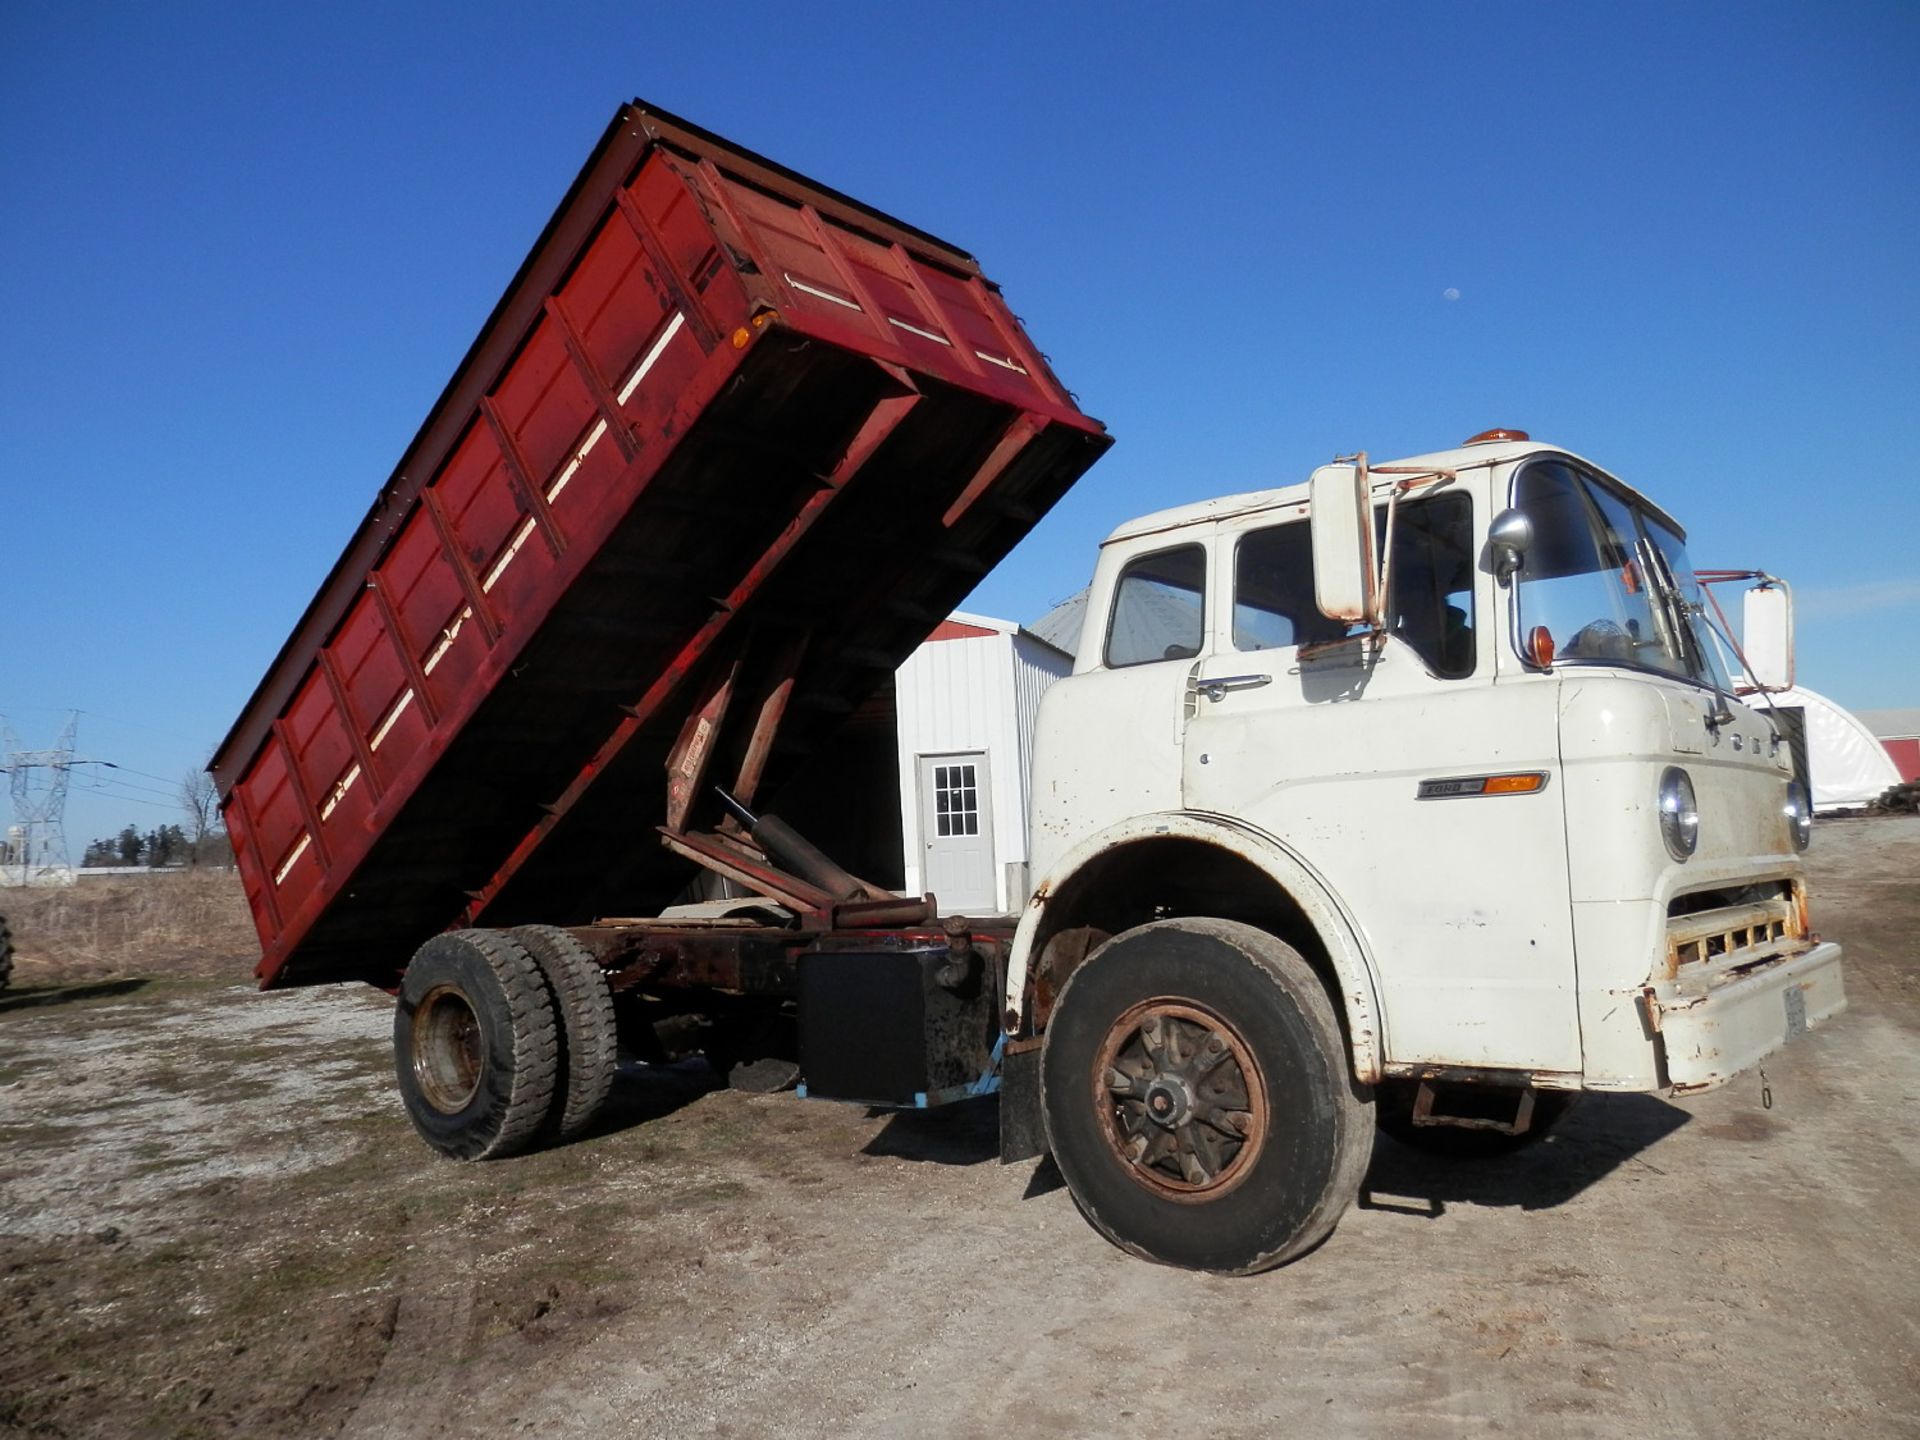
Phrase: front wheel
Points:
(1198, 1098)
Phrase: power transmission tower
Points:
(38, 780)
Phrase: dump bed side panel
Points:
(724, 421)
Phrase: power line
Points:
(129, 770)
(136, 800)
(101, 782)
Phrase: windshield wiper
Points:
(1674, 615)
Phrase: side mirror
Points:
(1768, 639)
(1510, 536)
(1346, 564)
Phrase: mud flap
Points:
(1023, 1132)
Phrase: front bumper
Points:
(1723, 1019)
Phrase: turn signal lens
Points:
(1540, 646)
(1514, 784)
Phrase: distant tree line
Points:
(163, 847)
(201, 841)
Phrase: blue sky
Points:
(242, 247)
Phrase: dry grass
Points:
(190, 923)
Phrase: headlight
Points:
(1679, 816)
(1799, 813)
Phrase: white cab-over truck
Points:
(1413, 792)
(1418, 790)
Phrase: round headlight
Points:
(1679, 815)
(1799, 812)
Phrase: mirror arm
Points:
(1724, 629)
(1383, 595)
(1409, 474)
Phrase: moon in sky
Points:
(1452, 292)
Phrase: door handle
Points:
(1215, 687)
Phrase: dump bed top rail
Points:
(730, 437)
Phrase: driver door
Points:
(1341, 750)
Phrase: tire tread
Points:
(587, 1037)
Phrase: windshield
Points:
(1608, 583)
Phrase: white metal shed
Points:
(965, 704)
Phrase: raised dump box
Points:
(731, 443)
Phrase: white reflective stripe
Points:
(646, 364)
(293, 856)
(915, 329)
(828, 295)
(388, 723)
(1003, 364)
(339, 792)
(447, 637)
(579, 458)
(506, 556)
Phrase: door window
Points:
(1430, 606)
(1159, 608)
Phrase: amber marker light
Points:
(1540, 646)
(1522, 784)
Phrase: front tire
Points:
(1198, 1097)
(474, 1044)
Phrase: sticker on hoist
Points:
(697, 751)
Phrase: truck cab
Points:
(1454, 731)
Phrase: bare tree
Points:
(200, 800)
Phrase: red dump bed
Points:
(729, 438)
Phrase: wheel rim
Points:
(449, 1049)
(1183, 1101)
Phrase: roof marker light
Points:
(1488, 437)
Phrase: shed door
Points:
(956, 833)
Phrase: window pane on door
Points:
(956, 800)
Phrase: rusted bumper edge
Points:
(1714, 1034)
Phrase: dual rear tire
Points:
(502, 1040)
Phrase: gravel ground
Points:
(215, 1220)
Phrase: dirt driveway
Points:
(215, 1220)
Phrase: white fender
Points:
(1336, 928)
